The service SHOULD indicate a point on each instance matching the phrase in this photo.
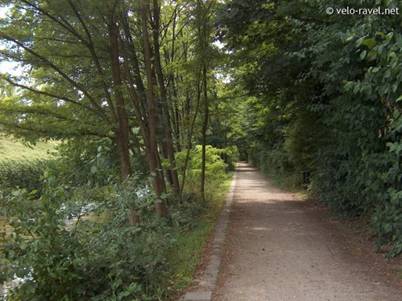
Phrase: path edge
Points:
(208, 279)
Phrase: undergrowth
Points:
(76, 243)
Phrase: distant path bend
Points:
(279, 248)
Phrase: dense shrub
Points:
(73, 241)
(77, 244)
(88, 162)
(215, 168)
(230, 155)
(85, 162)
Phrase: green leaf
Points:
(370, 43)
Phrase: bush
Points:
(230, 155)
(215, 170)
(73, 241)
(82, 258)
(275, 162)
(77, 243)
(85, 162)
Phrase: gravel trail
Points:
(279, 248)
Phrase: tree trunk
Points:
(123, 130)
(190, 135)
(160, 207)
(204, 129)
(167, 131)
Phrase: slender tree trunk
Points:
(175, 110)
(167, 132)
(203, 36)
(204, 129)
(190, 135)
(160, 207)
(123, 129)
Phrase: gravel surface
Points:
(279, 247)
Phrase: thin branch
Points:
(49, 94)
(58, 70)
(66, 25)
(91, 47)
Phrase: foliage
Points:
(22, 174)
(75, 244)
(326, 101)
(78, 163)
(189, 245)
(85, 162)
(84, 262)
(230, 155)
(215, 168)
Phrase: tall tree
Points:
(204, 12)
(136, 73)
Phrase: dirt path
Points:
(280, 248)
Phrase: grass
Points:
(189, 245)
(14, 150)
